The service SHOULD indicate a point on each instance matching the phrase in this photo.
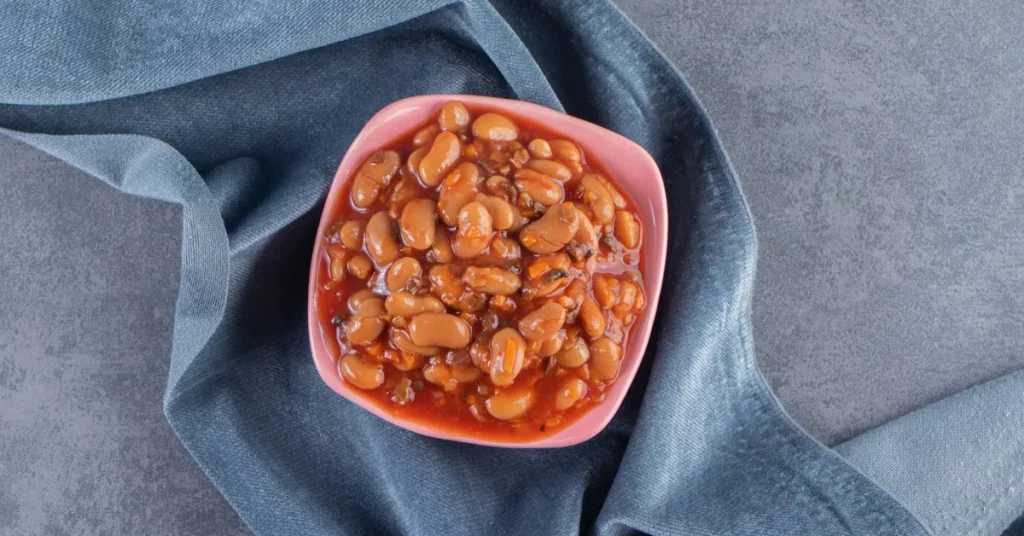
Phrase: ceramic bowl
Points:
(633, 171)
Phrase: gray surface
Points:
(85, 326)
(880, 148)
(880, 151)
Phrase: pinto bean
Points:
(507, 355)
(495, 127)
(502, 213)
(574, 352)
(542, 323)
(443, 154)
(403, 274)
(439, 329)
(358, 297)
(459, 188)
(539, 148)
(605, 356)
(336, 259)
(366, 323)
(474, 231)
(569, 393)
(425, 135)
(373, 177)
(381, 244)
(510, 404)
(400, 339)
(360, 266)
(565, 150)
(441, 251)
(552, 231)
(363, 375)
(551, 169)
(592, 318)
(419, 223)
(453, 117)
(596, 196)
(408, 304)
(351, 234)
(491, 280)
(539, 187)
(505, 248)
(627, 229)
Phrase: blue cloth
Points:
(240, 111)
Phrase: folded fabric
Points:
(239, 112)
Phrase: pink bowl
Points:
(632, 169)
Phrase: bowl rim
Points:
(583, 429)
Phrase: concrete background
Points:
(879, 147)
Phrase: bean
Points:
(502, 213)
(404, 273)
(508, 353)
(439, 329)
(441, 251)
(408, 304)
(418, 223)
(606, 290)
(373, 177)
(458, 189)
(336, 257)
(605, 356)
(465, 372)
(366, 323)
(539, 187)
(352, 234)
(453, 117)
(505, 248)
(358, 297)
(627, 229)
(574, 352)
(381, 244)
(474, 231)
(491, 280)
(539, 148)
(480, 354)
(551, 346)
(550, 168)
(415, 159)
(546, 263)
(360, 266)
(617, 198)
(501, 187)
(592, 317)
(400, 339)
(570, 392)
(445, 284)
(439, 374)
(425, 135)
(552, 231)
(495, 127)
(444, 152)
(510, 404)
(543, 323)
(565, 150)
(596, 196)
(587, 236)
(360, 373)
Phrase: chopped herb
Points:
(417, 385)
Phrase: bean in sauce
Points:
(483, 274)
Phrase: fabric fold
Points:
(700, 446)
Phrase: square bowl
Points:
(631, 168)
